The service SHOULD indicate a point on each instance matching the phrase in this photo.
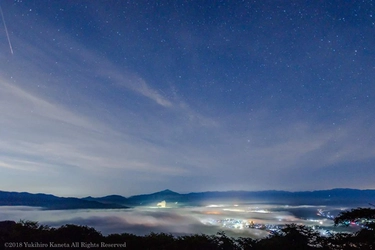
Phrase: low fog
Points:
(177, 220)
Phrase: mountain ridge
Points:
(49, 201)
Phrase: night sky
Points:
(130, 97)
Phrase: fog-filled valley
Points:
(246, 220)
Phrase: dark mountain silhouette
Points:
(110, 199)
(333, 196)
(143, 199)
(353, 197)
(48, 201)
(167, 195)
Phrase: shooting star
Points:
(6, 30)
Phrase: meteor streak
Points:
(6, 30)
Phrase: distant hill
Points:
(327, 197)
(167, 195)
(333, 196)
(48, 201)
(143, 199)
(110, 199)
(352, 197)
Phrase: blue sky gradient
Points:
(132, 97)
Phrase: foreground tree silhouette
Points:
(293, 237)
(197, 241)
(29, 231)
(246, 243)
(132, 241)
(342, 241)
(365, 238)
(74, 233)
(363, 215)
(224, 242)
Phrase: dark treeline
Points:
(31, 235)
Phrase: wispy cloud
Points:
(39, 135)
(17, 102)
(135, 83)
(48, 134)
